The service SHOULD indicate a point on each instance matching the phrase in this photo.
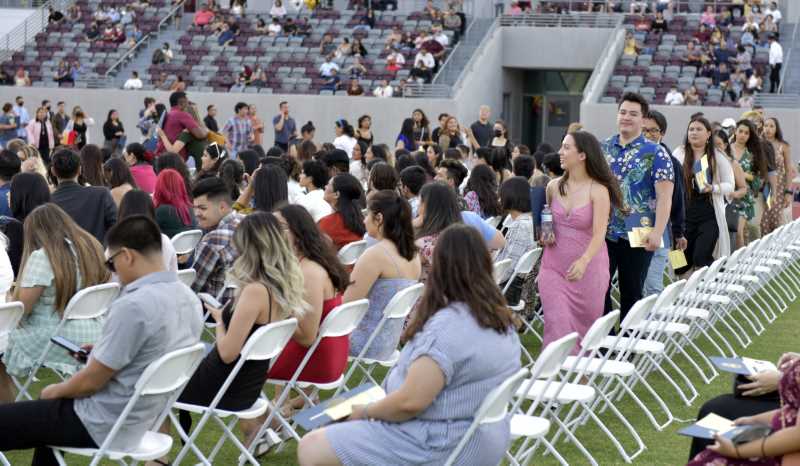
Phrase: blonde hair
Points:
(266, 257)
(33, 161)
(70, 247)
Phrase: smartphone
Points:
(80, 353)
(210, 300)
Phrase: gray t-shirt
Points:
(154, 315)
(285, 134)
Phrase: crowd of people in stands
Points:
(273, 221)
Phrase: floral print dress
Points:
(789, 390)
(746, 206)
(773, 216)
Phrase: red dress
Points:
(333, 226)
(326, 364)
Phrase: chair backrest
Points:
(500, 269)
(524, 265)
(598, 331)
(638, 312)
(185, 242)
(401, 304)
(670, 294)
(91, 302)
(553, 356)
(268, 341)
(694, 279)
(187, 276)
(494, 221)
(495, 405)
(350, 253)
(10, 315)
(171, 371)
(343, 319)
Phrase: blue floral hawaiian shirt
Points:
(638, 167)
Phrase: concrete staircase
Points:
(791, 53)
(465, 49)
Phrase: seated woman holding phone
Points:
(270, 289)
(782, 446)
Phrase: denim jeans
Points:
(654, 283)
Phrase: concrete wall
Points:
(484, 80)
(13, 17)
(600, 119)
(553, 48)
(387, 115)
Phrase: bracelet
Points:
(366, 413)
(763, 441)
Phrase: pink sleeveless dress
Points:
(571, 306)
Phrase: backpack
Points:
(158, 57)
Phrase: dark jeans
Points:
(774, 77)
(731, 407)
(631, 265)
(36, 424)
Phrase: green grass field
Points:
(663, 448)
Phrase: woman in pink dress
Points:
(574, 274)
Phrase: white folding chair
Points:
(165, 376)
(185, 242)
(494, 221)
(187, 276)
(494, 408)
(88, 303)
(398, 307)
(500, 269)
(265, 343)
(341, 321)
(10, 315)
(524, 266)
(350, 253)
(525, 424)
(3, 460)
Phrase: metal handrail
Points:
(459, 46)
(426, 91)
(144, 40)
(678, 5)
(17, 38)
(786, 58)
(573, 19)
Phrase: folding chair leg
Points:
(669, 379)
(681, 349)
(656, 396)
(189, 439)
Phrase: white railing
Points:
(17, 38)
(786, 62)
(571, 20)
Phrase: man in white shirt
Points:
(398, 57)
(775, 63)
(424, 63)
(133, 83)
(773, 10)
(440, 37)
(314, 178)
(384, 90)
(325, 68)
(673, 97)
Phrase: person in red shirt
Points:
(204, 17)
(346, 224)
(177, 120)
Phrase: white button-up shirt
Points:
(775, 53)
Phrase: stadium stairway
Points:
(461, 55)
(791, 54)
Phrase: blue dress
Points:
(382, 347)
(471, 371)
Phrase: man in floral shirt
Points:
(645, 173)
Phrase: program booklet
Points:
(742, 366)
(338, 408)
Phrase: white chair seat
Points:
(258, 408)
(745, 277)
(692, 313)
(528, 426)
(728, 287)
(641, 346)
(152, 446)
(591, 365)
(670, 327)
(385, 363)
(572, 392)
(710, 298)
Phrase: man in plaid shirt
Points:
(239, 130)
(215, 252)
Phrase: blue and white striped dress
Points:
(474, 360)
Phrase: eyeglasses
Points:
(651, 130)
(110, 262)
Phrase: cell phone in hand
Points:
(80, 353)
(210, 300)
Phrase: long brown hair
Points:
(754, 146)
(40, 227)
(688, 155)
(457, 276)
(596, 167)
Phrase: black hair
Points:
(403, 161)
(175, 97)
(407, 130)
(483, 182)
(136, 202)
(350, 202)
(137, 150)
(137, 232)
(441, 208)
(213, 188)
(515, 194)
(274, 151)
(380, 153)
(660, 120)
(636, 98)
(117, 173)
(524, 166)
(346, 127)
(485, 154)
(9, 165)
(239, 106)
(232, 173)
(316, 172)
(28, 191)
(174, 161)
(396, 213)
(500, 160)
(413, 178)
(545, 147)
(452, 154)
(65, 164)
(271, 189)
(552, 163)
(455, 170)
(382, 176)
(308, 128)
(250, 159)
